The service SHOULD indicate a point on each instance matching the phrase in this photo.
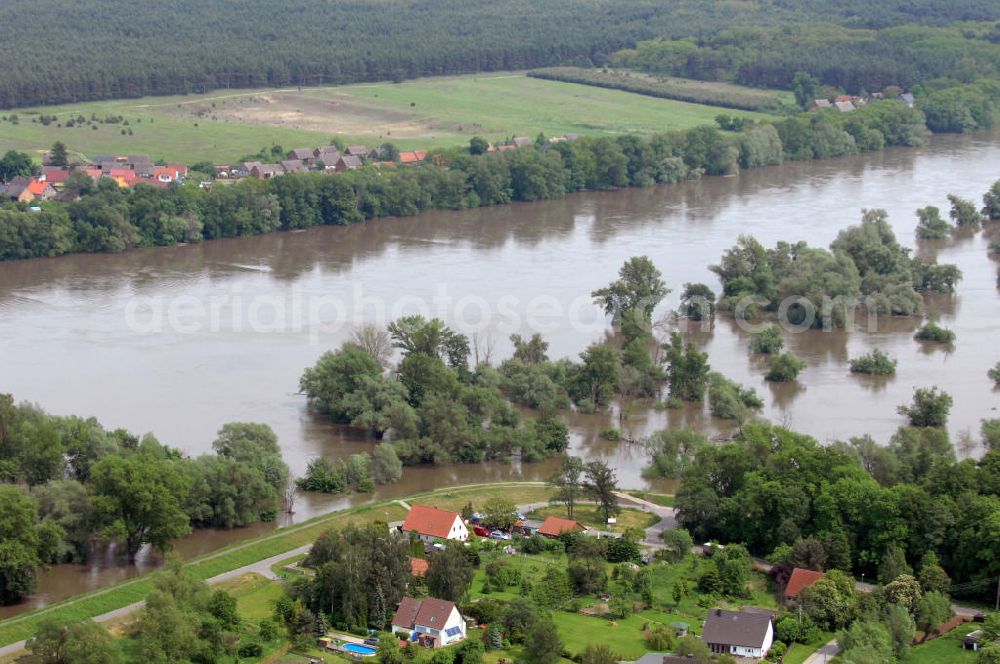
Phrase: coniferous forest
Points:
(98, 49)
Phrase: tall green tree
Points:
(602, 486)
(637, 291)
(139, 500)
(57, 641)
(568, 483)
(449, 573)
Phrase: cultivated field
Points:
(426, 113)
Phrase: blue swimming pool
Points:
(358, 649)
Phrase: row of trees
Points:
(111, 219)
(70, 484)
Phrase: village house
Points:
(844, 106)
(820, 103)
(799, 581)
(356, 151)
(266, 171)
(18, 190)
(412, 157)
(54, 175)
(294, 166)
(907, 98)
(347, 163)
(555, 526)
(41, 190)
(738, 633)
(432, 623)
(521, 141)
(328, 154)
(431, 523)
(300, 154)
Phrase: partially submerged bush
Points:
(875, 363)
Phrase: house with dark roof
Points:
(521, 141)
(267, 171)
(300, 154)
(18, 189)
(799, 581)
(431, 523)
(432, 623)
(555, 526)
(328, 154)
(356, 151)
(347, 163)
(294, 166)
(738, 633)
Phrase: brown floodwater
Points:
(178, 341)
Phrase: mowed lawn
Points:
(593, 517)
(226, 125)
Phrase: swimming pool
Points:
(358, 649)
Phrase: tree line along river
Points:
(180, 340)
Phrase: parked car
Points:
(499, 535)
(480, 531)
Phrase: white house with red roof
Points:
(432, 623)
(431, 523)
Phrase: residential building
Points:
(555, 526)
(267, 171)
(54, 175)
(294, 166)
(432, 623)
(844, 106)
(907, 98)
(347, 163)
(738, 633)
(300, 154)
(431, 523)
(18, 190)
(328, 154)
(356, 151)
(821, 103)
(521, 141)
(412, 157)
(799, 581)
(41, 190)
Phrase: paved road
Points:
(825, 653)
(262, 567)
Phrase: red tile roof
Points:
(801, 579)
(411, 157)
(54, 174)
(38, 188)
(555, 526)
(418, 567)
(430, 521)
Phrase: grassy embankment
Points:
(235, 556)
(425, 113)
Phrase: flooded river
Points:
(178, 341)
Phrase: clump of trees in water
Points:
(933, 332)
(865, 265)
(72, 484)
(875, 363)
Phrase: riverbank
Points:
(248, 556)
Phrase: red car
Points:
(482, 532)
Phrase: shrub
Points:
(875, 363)
(994, 373)
(251, 649)
(933, 332)
(931, 225)
(930, 408)
(785, 367)
(767, 342)
(612, 434)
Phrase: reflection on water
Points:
(65, 342)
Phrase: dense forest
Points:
(847, 59)
(99, 49)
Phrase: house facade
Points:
(431, 523)
(738, 633)
(432, 623)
